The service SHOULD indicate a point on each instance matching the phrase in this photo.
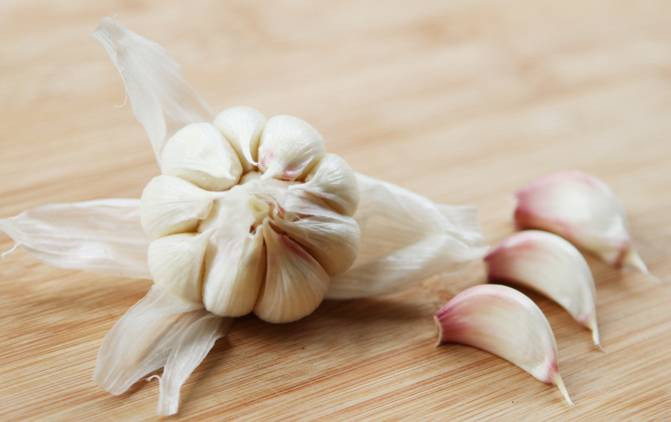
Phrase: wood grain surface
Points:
(462, 101)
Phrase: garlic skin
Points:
(505, 322)
(547, 263)
(200, 154)
(583, 210)
(172, 205)
(289, 146)
(242, 126)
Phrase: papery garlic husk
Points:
(583, 210)
(505, 322)
(176, 264)
(550, 265)
(405, 238)
(295, 282)
(172, 205)
(242, 126)
(200, 154)
(333, 182)
(289, 146)
(161, 330)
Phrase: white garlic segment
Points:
(235, 261)
(333, 182)
(331, 238)
(173, 205)
(583, 210)
(242, 126)
(289, 146)
(295, 282)
(505, 322)
(240, 236)
(176, 262)
(550, 265)
(200, 154)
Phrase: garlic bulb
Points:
(583, 210)
(248, 215)
(259, 245)
(550, 265)
(503, 321)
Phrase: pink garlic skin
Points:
(583, 210)
(505, 322)
(550, 265)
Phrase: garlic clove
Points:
(333, 181)
(550, 265)
(289, 146)
(295, 282)
(332, 239)
(171, 205)
(200, 154)
(235, 260)
(176, 262)
(583, 210)
(503, 321)
(234, 275)
(242, 126)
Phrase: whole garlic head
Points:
(250, 215)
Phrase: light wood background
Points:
(462, 101)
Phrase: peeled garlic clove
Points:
(295, 282)
(242, 126)
(289, 146)
(175, 263)
(550, 265)
(332, 239)
(503, 321)
(583, 210)
(333, 181)
(200, 154)
(235, 262)
(171, 205)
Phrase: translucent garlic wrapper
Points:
(248, 215)
(267, 240)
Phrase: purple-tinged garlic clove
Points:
(199, 153)
(242, 126)
(289, 147)
(505, 322)
(550, 265)
(583, 210)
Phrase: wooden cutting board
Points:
(462, 101)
